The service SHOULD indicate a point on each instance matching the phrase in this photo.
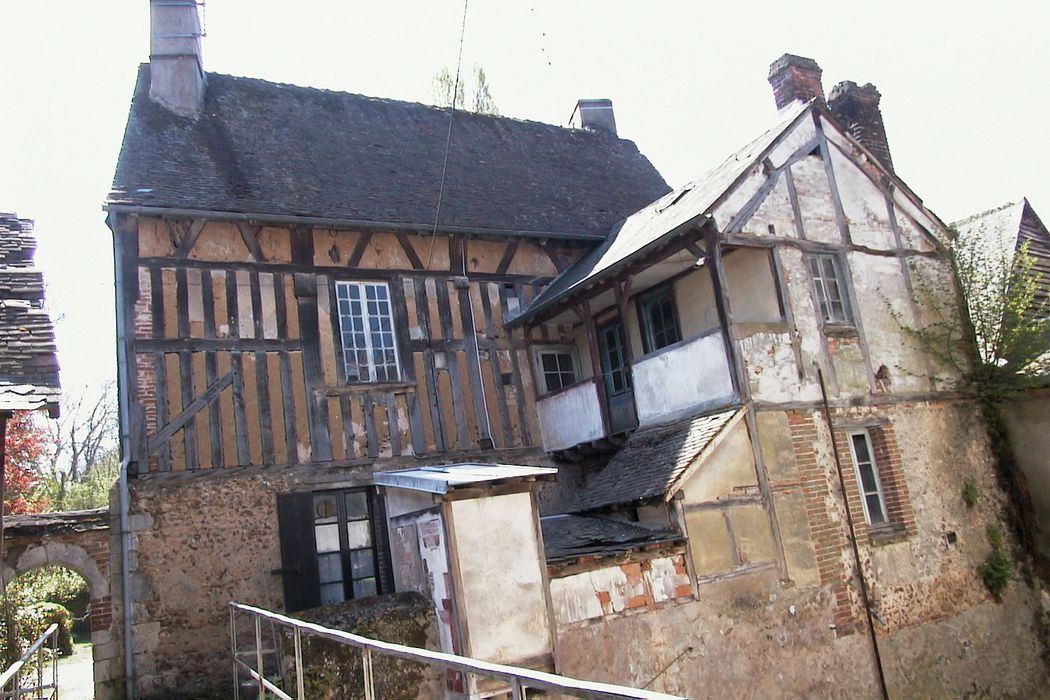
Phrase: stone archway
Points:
(78, 541)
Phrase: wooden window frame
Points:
(875, 468)
(368, 349)
(538, 351)
(824, 303)
(644, 304)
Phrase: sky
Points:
(964, 88)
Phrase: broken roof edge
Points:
(593, 550)
(786, 124)
(348, 224)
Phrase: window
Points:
(333, 547)
(556, 368)
(613, 355)
(366, 323)
(868, 477)
(827, 282)
(658, 320)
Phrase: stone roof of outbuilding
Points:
(272, 149)
(28, 360)
(652, 461)
(572, 536)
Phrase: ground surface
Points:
(75, 675)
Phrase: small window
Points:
(366, 323)
(556, 368)
(332, 547)
(658, 319)
(868, 477)
(827, 282)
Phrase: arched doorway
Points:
(79, 542)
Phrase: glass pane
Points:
(327, 538)
(550, 361)
(364, 587)
(875, 509)
(359, 534)
(860, 448)
(867, 477)
(362, 563)
(370, 291)
(332, 593)
(324, 509)
(356, 505)
(330, 567)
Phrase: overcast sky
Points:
(964, 86)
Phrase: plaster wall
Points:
(681, 377)
(570, 417)
(1026, 419)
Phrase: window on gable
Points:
(333, 547)
(829, 288)
(366, 324)
(658, 319)
(871, 492)
(556, 367)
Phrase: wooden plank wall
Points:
(237, 357)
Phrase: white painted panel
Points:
(502, 578)
(570, 417)
(680, 378)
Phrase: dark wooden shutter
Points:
(381, 538)
(295, 519)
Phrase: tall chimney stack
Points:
(856, 108)
(596, 115)
(795, 78)
(177, 78)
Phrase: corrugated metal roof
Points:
(445, 478)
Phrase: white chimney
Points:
(176, 70)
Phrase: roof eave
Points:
(335, 223)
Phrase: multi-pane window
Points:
(831, 295)
(868, 477)
(346, 555)
(659, 321)
(613, 357)
(556, 368)
(366, 324)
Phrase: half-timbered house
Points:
(324, 297)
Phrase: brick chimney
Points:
(177, 78)
(795, 78)
(856, 108)
(596, 115)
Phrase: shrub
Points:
(996, 572)
(970, 493)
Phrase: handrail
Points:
(14, 671)
(517, 677)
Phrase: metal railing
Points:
(14, 673)
(518, 680)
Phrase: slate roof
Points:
(667, 216)
(282, 150)
(567, 537)
(28, 360)
(651, 462)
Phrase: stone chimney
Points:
(596, 115)
(856, 108)
(795, 78)
(177, 78)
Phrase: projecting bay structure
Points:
(307, 337)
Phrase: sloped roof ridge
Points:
(394, 102)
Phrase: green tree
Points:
(481, 100)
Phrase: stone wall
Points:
(756, 634)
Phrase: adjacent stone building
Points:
(759, 474)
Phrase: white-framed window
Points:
(366, 324)
(556, 367)
(871, 494)
(829, 288)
